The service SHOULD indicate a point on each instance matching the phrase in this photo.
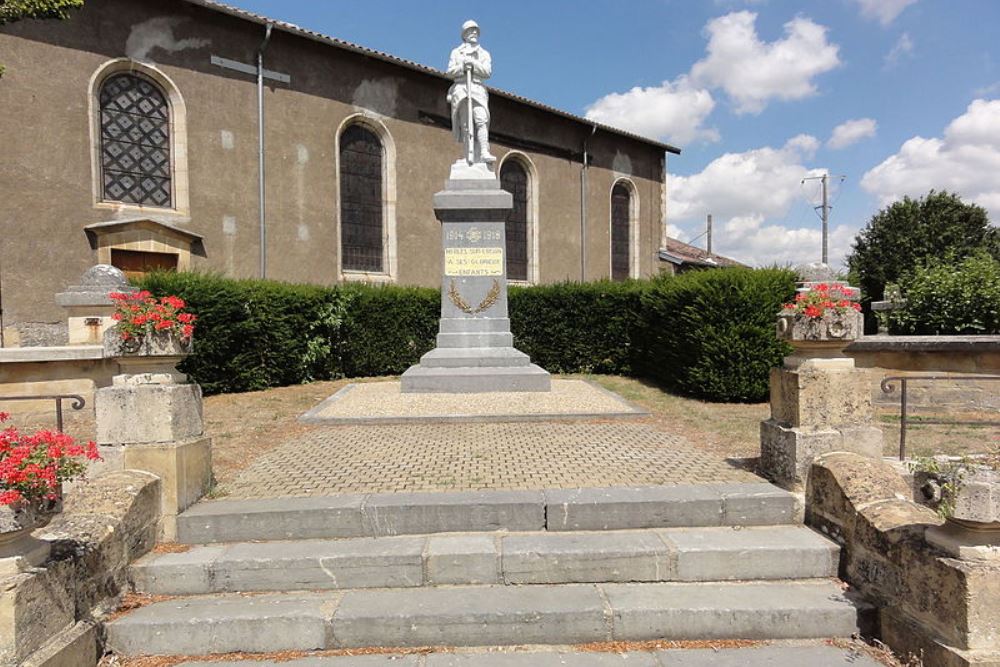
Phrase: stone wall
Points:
(36, 371)
(933, 355)
(941, 609)
(48, 615)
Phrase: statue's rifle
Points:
(470, 149)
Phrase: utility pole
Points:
(708, 231)
(824, 208)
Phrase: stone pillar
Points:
(475, 350)
(972, 531)
(88, 305)
(153, 422)
(819, 401)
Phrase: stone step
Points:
(470, 357)
(676, 554)
(377, 515)
(477, 379)
(485, 616)
(784, 654)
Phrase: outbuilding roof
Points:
(678, 252)
(409, 64)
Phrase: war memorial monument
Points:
(475, 350)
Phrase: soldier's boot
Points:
(483, 136)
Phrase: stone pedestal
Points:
(819, 401)
(88, 306)
(475, 350)
(150, 422)
(973, 529)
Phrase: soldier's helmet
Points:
(469, 25)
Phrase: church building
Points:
(191, 135)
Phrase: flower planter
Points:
(823, 337)
(156, 352)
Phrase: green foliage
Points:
(710, 334)
(15, 10)
(945, 297)
(578, 328)
(254, 334)
(911, 232)
(387, 328)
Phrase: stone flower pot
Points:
(977, 502)
(18, 549)
(819, 337)
(156, 352)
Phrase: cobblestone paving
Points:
(461, 457)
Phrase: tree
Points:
(15, 10)
(911, 233)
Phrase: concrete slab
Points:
(771, 610)
(417, 513)
(225, 624)
(338, 661)
(471, 616)
(750, 504)
(384, 403)
(462, 559)
(644, 507)
(539, 659)
(272, 518)
(770, 552)
(546, 558)
(320, 565)
(766, 656)
(187, 573)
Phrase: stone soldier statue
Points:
(469, 66)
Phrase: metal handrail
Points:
(888, 388)
(77, 404)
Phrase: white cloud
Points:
(903, 48)
(746, 193)
(883, 11)
(753, 72)
(965, 160)
(673, 111)
(851, 131)
(752, 241)
(989, 90)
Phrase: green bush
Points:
(254, 334)
(387, 328)
(710, 334)
(951, 298)
(578, 328)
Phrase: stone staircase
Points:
(723, 561)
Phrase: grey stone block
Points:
(466, 357)
(621, 508)
(75, 646)
(542, 659)
(751, 504)
(781, 552)
(696, 611)
(786, 453)
(148, 413)
(467, 339)
(320, 564)
(585, 557)
(187, 573)
(462, 559)
(431, 380)
(225, 624)
(421, 513)
(471, 616)
(766, 656)
(272, 519)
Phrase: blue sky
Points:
(752, 91)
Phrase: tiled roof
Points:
(678, 252)
(333, 41)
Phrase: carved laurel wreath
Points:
(485, 304)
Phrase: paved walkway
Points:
(461, 456)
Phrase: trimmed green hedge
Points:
(708, 334)
(949, 297)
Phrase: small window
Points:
(621, 213)
(514, 179)
(361, 228)
(135, 142)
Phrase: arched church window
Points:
(621, 210)
(361, 228)
(514, 179)
(135, 141)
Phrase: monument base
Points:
(474, 379)
(786, 452)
